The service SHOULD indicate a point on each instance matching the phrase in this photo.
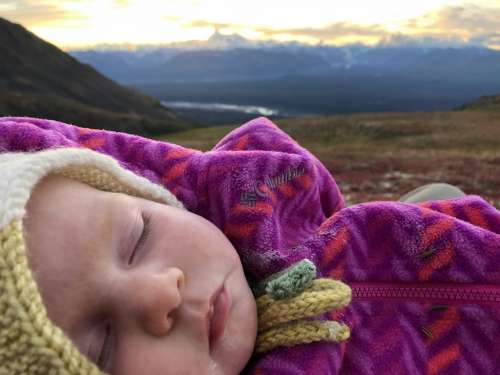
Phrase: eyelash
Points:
(142, 239)
(103, 359)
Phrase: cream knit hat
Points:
(29, 342)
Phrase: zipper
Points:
(449, 293)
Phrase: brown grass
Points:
(381, 156)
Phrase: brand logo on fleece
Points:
(261, 188)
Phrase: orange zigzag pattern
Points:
(443, 359)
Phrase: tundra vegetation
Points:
(381, 156)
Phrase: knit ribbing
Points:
(29, 343)
(301, 332)
(323, 295)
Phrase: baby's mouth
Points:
(217, 316)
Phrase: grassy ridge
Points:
(38, 79)
(73, 112)
(381, 156)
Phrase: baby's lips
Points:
(221, 306)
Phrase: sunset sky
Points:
(84, 23)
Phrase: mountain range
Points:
(38, 79)
(294, 79)
(113, 88)
(232, 57)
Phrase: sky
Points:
(86, 23)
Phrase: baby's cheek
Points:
(237, 351)
(214, 368)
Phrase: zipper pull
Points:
(426, 332)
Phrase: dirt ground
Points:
(388, 177)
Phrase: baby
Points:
(145, 288)
(158, 259)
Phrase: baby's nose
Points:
(159, 298)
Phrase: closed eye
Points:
(103, 361)
(142, 239)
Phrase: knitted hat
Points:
(29, 342)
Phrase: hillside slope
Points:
(484, 103)
(36, 78)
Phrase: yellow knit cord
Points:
(278, 320)
(301, 332)
(322, 296)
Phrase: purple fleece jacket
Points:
(424, 277)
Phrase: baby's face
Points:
(130, 281)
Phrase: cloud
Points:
(36, 13)
(333, 31)
(172, 18)
(491, 40)
(469, 24)
(203, 23)
(472, 18)
(427, 40)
